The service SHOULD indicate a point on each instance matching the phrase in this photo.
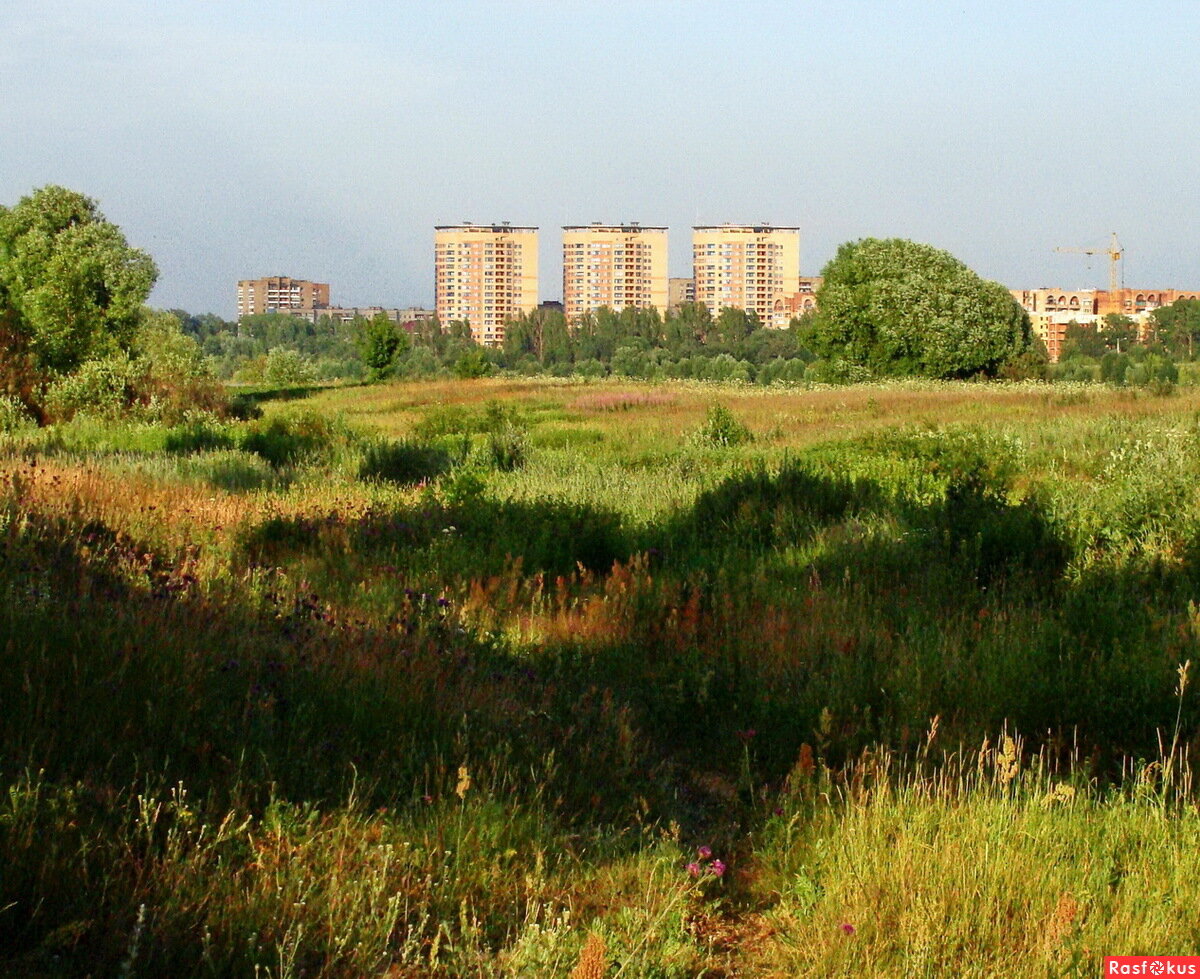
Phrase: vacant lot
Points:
(521, 678)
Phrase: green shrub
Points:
(244, 408)
(288, 367)
(507, 447)
(837, 372)
(99, 387)
(446, 420)
(721, 428)
(287, 440)
(231, 470)
(13, 415)
(406, 460)
(473, 363)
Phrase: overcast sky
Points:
(324, 140)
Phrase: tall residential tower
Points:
(485, 275)
(750, 267)
(614, 266)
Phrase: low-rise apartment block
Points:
(804, 299)
(485, 275)
(406, 316)
(750, 267)
(1051, 311)
(279, 294)
(615, 266)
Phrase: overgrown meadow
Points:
(499, 678)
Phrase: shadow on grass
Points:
(261, 394)
(132, 678)
(477, 539)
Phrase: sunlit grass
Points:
(283, 700)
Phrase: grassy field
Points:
(525, 678)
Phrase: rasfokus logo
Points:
(1152, 965)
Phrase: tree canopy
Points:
(898, 308)
(69, 279)
(1177, 326)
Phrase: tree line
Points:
(75, 331)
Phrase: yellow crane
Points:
(1114, 251)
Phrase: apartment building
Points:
(1051, 311)
(614, 266)
(750, 267)
(1131, 302)
(406, 316)
(803, 300)
(279, 294)
(485, 275)
(680, 291)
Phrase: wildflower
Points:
(746, 736)
(847, 928)
(704, 852)
(693, 868)
(718, 868)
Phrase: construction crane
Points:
(1114, 251)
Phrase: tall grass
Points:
(307, 697)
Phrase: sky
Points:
(324, 140)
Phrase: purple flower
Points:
(693, 869)
(847, 928)
(717, 867)
(705, 852)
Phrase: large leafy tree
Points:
(69, 281)
(1177, 326)
(381, 342)
(898, 307)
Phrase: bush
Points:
(233, 471)
(288, 367)
(722, 428)
(407, 460)
(100, 387)
(244, 408)
(13, 415)
(443, 420)
(162, 377)
(1075, 369)
(590, 368)
(284, 441)
(507, 447)
(473, 363)
(837, 372)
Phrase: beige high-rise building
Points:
(279, 294)
(750, 267)
(485, 275)
(614, 266)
